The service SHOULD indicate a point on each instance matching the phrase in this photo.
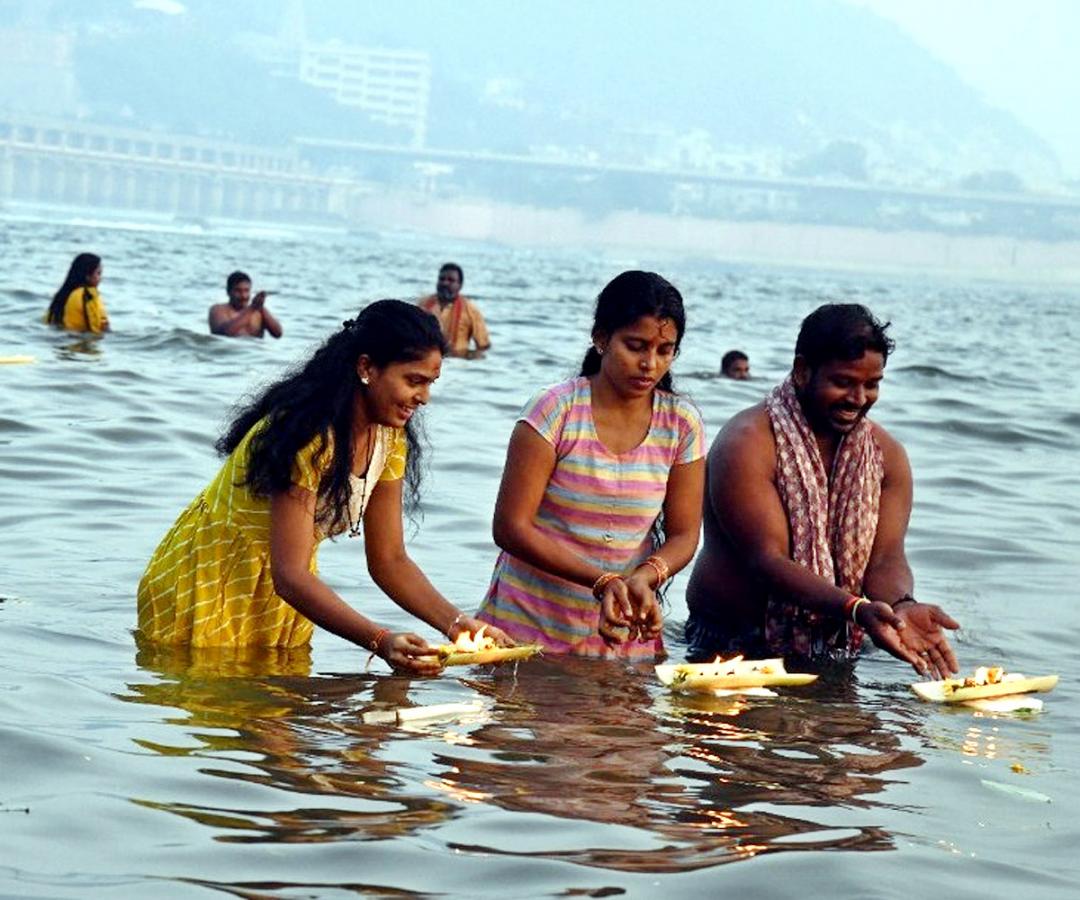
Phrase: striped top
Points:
(599, 505)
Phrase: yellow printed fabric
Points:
(209, 582)
(85, 311)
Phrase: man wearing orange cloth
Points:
(458, 316)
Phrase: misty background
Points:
(871, 114)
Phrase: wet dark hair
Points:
(316, 399)
(453, 267)
(236, 278)
(842, 331)
(82, 267)
(624, 300)
(730, 358)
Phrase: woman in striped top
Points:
(326, 450)
(601, 495)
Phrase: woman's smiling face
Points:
(392, 393)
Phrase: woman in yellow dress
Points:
(77, 306)
(327, 450)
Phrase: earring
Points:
(363, 379)
(599, 351)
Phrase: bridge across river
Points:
(125, 168)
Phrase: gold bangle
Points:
(602, 582)
(664, 568)
(651, 563)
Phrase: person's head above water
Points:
(637, 328)
(450, 282)
(238, 287)
(840, 358)
(85, 271)
(735, 364)
(376, 370)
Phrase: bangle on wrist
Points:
(602, 582)
(660, 567)
(851, 607)
(450, 627)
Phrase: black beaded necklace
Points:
(354, 527)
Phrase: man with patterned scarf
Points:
(807, 504)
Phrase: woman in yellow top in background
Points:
(328, 449)
(77, 306)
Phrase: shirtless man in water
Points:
(806, 507)
(243, 315)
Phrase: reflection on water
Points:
(275, 725)
(696, 780)
(84, 348)
(584, 741)
(254, 775)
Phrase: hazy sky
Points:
(1020, 54)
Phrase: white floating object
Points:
(1013, 790)
(952, 690)
(419, 713)
(730, 675)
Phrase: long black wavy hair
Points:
(316, 399)
(82, 267)
(624, 300)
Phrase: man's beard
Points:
(445, 294)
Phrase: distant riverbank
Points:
(993, 257)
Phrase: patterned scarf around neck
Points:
(833, 523)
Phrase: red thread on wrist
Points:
(375, 641)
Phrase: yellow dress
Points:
(84, 310)
(208, 584)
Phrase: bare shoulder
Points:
(746, 436)
(893, 453)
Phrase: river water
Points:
(127, 774)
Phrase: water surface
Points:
(172, 773)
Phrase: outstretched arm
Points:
(888, 576)
(292, 542)
(401, 578)
(743, 493)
